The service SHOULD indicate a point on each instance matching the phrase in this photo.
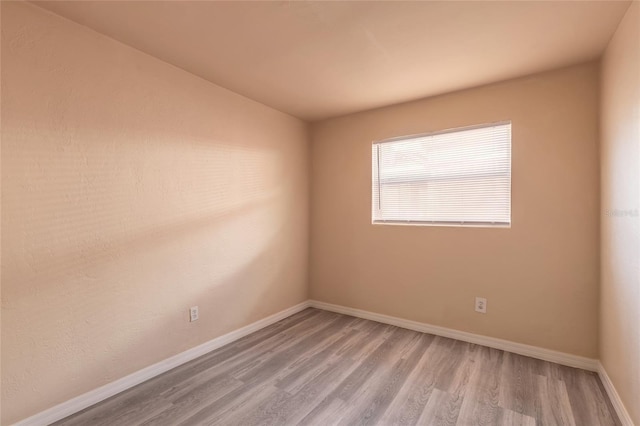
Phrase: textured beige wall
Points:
(540, 276)
(132, 190)
(620, 224)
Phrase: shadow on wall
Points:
(110, 247)
(132, 190)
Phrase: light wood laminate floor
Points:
(322, 368)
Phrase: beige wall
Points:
(540, 276)
(620, 224)
(132, 190)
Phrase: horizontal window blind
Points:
(460, 176)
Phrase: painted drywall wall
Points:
(620, 220)
(132, 190)
(540, 276)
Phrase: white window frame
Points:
(480, 224)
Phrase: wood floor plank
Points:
(299, 374)
(412, 398)
(329, 415)
(555, 407)
(251, 411)
(375, 400)
(519, 385)
(476, 413)
(588, 404)
(257, 380)
(322, 368)
(283, 357)
(378, 359)
(512, 418)
(442, 409)
(182, 408)
(375, 336)
(294, 408)
(485, 381)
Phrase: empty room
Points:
(320, 213)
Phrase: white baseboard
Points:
(492, 342)
(623, 414)
(83, 401)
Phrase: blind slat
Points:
(458, 176)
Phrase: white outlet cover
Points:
(481, 305)
(193, 314)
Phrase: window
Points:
(460, 176)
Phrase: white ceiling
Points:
(318, 59)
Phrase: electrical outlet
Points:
(193, 314)
(481, 305)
